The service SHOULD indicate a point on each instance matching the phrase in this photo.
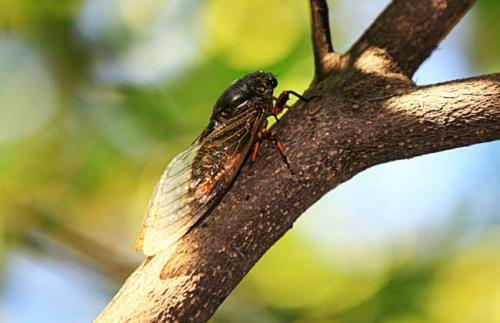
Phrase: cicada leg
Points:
(256, 145)
(283, 98)
(281, 101)
(274, 138)
(255, 150)
(270, 135)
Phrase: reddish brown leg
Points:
(282, 99)
(256, 146)
(271, 135)
(255, 150)
(280, 103)
(281, 149)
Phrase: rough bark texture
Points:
(410, 30)
(369, 112)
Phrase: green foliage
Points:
(487, 46)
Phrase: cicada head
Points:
(256, 87)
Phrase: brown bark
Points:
(369, 112)
(324, 56)
(410, 30)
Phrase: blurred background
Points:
(96, 96)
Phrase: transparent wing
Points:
(170, 203)
(193, 182)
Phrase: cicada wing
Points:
(194, 181)
(169, 214)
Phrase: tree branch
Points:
(368, 113)
(52, 235)
(433, 118)
(408, 31)
(324, 55)
(328, 142)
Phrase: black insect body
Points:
(196, 179)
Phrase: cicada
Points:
(196, 179)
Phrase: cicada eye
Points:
(273, 82)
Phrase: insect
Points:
(197, 178)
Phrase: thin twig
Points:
(49, 232)
(322, 43)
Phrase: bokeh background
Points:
(96, 96)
